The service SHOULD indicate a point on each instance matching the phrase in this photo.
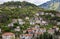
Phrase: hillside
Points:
(10, 10)
(25, 15)
(15, 10)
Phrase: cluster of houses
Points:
(52, 15)
(19, 21)
(43, 13)
(31, 32)
(37, 19)
(34, 20)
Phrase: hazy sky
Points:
(37, 2)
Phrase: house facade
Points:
(8, 35)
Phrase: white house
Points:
(19, 6)
(57, 29)
(17, 28)
(27, 18)
(46, 13)
(36, 18)
(37, 26)
(58, 23)
(10, 25)
(51, 31)
(42, 30)
(37, 14)
(24, 31)
(58, 14)
(58, 37)
(41, 13)
(52, 15)
(8, 35)
(21, 22)
(14, 20)
(40, 18)
(22, 36)
(0, 30)
(32, 22)
(43, 23)
(37, 21)
(26, 36)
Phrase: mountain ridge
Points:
(17, 3)
(51, 5)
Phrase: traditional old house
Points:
(8, 35)
(17, 28)
(55, 28)
(42, 30)
(37, 14)
(27, 18)
(22, 36)
(58, 14)
(33, 29)
(37, 20)
(51, 31)
(26, 36)
(24, 31)
(52, 15)
(10, 25)
(0, 30)
(37, 26)
(30, 31)
(21, 22)
(19, 6)
(58, 23)
(32, 22)
(43, 23)
(41, 13)
(46, 13)
(40, 18)
(14, 20)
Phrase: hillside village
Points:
(35, 26)
(26, 24)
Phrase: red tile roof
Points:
(8, 33)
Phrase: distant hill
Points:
(51, 5)
(17, 3)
